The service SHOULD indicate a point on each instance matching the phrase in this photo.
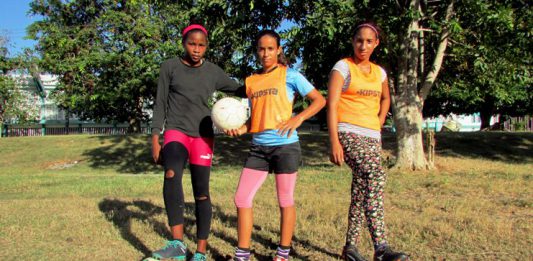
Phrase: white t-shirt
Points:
(343, 68)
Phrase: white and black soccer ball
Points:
(228, 114)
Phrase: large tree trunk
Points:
(408, 100)
(407, 105)
(485, 114)
(485, 120)
(408, 123)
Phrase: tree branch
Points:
(398, 5)
(439, 57)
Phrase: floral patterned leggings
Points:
(363, 155)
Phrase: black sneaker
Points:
(350, 253)
(385, 253)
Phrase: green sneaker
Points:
(175, 249)
(198, 257)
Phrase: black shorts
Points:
(282, 159)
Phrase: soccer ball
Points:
(228, 114)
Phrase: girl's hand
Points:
(237, 132)
(288, 127)
(156, 149)
(337, 154)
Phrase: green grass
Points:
(85, 197)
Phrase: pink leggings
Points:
(251, 180)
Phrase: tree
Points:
(417, 37)
(14, 104)
(488, 70)
(107, 52)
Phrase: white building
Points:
(38, 89)
(471, 122)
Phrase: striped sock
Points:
(283, 251)
(242, 254)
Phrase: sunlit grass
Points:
(86, 197)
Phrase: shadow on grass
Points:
(126, 154)
(500, 146)
(508, 147)
(132, 154)
(121, 213)
(233, 151)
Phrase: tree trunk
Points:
(134, 120)
(407, 105)
(485, 115)
(408, 100)
(486, 111)
(408, 123)
(1, 124)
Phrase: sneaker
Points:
(174, 249)
(241, 258)
(385, 253)
(198, 257)
(278, 258)
(350, 253)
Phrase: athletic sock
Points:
(283, 251)
(242, 253)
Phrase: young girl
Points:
(275, 146)
(358, 102)
(185, 86)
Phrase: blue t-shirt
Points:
(296, 83)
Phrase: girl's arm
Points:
(230, 86)
(385, 101)
(160, 109)
(317, 102)
(334, 93)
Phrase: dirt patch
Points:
(62, 164)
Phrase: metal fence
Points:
(45, 130)
(524, 123)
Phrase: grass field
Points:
(99, 198)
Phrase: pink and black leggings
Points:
(178, 148)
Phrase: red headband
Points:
(369, 26)
(193, 27)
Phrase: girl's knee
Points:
(285, 200)
(169, 174)
(242, 202)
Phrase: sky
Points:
(13, 22)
